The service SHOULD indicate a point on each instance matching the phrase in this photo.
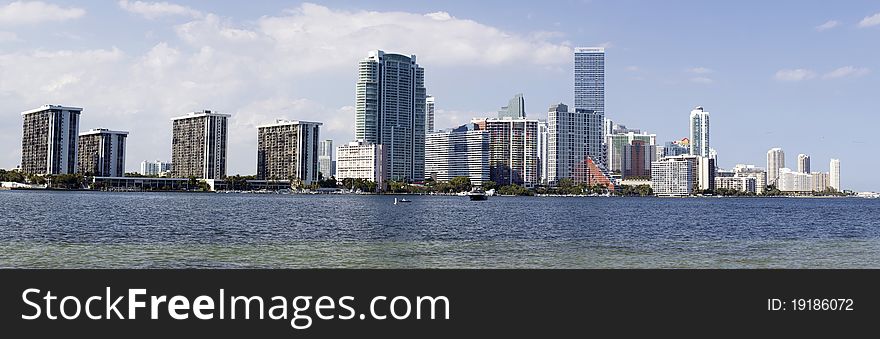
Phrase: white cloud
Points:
(31, 12)
(153, 10)
(8, 37)
(631, 68)
(794, 74)
(699, 70)
(258, 71)
(869, 21)
(702, 80)
(827, 25)
(846, 71)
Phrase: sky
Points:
(800, 75)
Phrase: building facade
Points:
(543, 152)
(101, 153)
(513, 150)
(742, 184)
(674, 176)
(198, 145)
(620, 139)
(775, 162)
(674, 148)
(819, 182)
(459, 152)
(792, 181)
(157, 168)
(429, 114)
(49, 137)
(288, 150)
(515, 109)
(361, 160)
(325, 158)
(803, 164)
(834, 175)
(637, 158)
(390, 111)
(758, 173)
(589, 98)
(699, 128)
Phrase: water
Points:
(178, 230)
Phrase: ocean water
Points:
(50, 229)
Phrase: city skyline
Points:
(85, 72)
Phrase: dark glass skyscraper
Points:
(589, 97)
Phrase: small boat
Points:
(477, 194)
(401, 201)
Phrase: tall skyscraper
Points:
(458, 152)
(101, 153)
(567, 139)
(515, 109)
(513, 150)
(589, 98)
(325, 158)
(390, 110)
(699, 127)
(429, 113)
(198, 145)
(803, 164)
(49, 137)
(288, 150)
(775, 162)
(834, 175)
(543, 152)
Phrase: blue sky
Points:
(801, 75)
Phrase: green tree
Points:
(460, 184)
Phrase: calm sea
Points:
(177, 230)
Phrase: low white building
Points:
(742, 184)
(674, 176)
(361, 160)
(793, 181)
(758, 173)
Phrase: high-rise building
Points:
(390, 110)
(775, 162)
(429, 114)
(155, 167)
(819, 181)
(198, 145)
(620, 138)
(637, 158)
(325, 158)
(699, 128)
(834, 175)
(803, 164)
(101, 153)
(543, 152)
(569, 144)
(458, 152)
(515, 109)
(361, 160)
(49, 137)
(589, 98)
(288, 150)
(513, 150)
